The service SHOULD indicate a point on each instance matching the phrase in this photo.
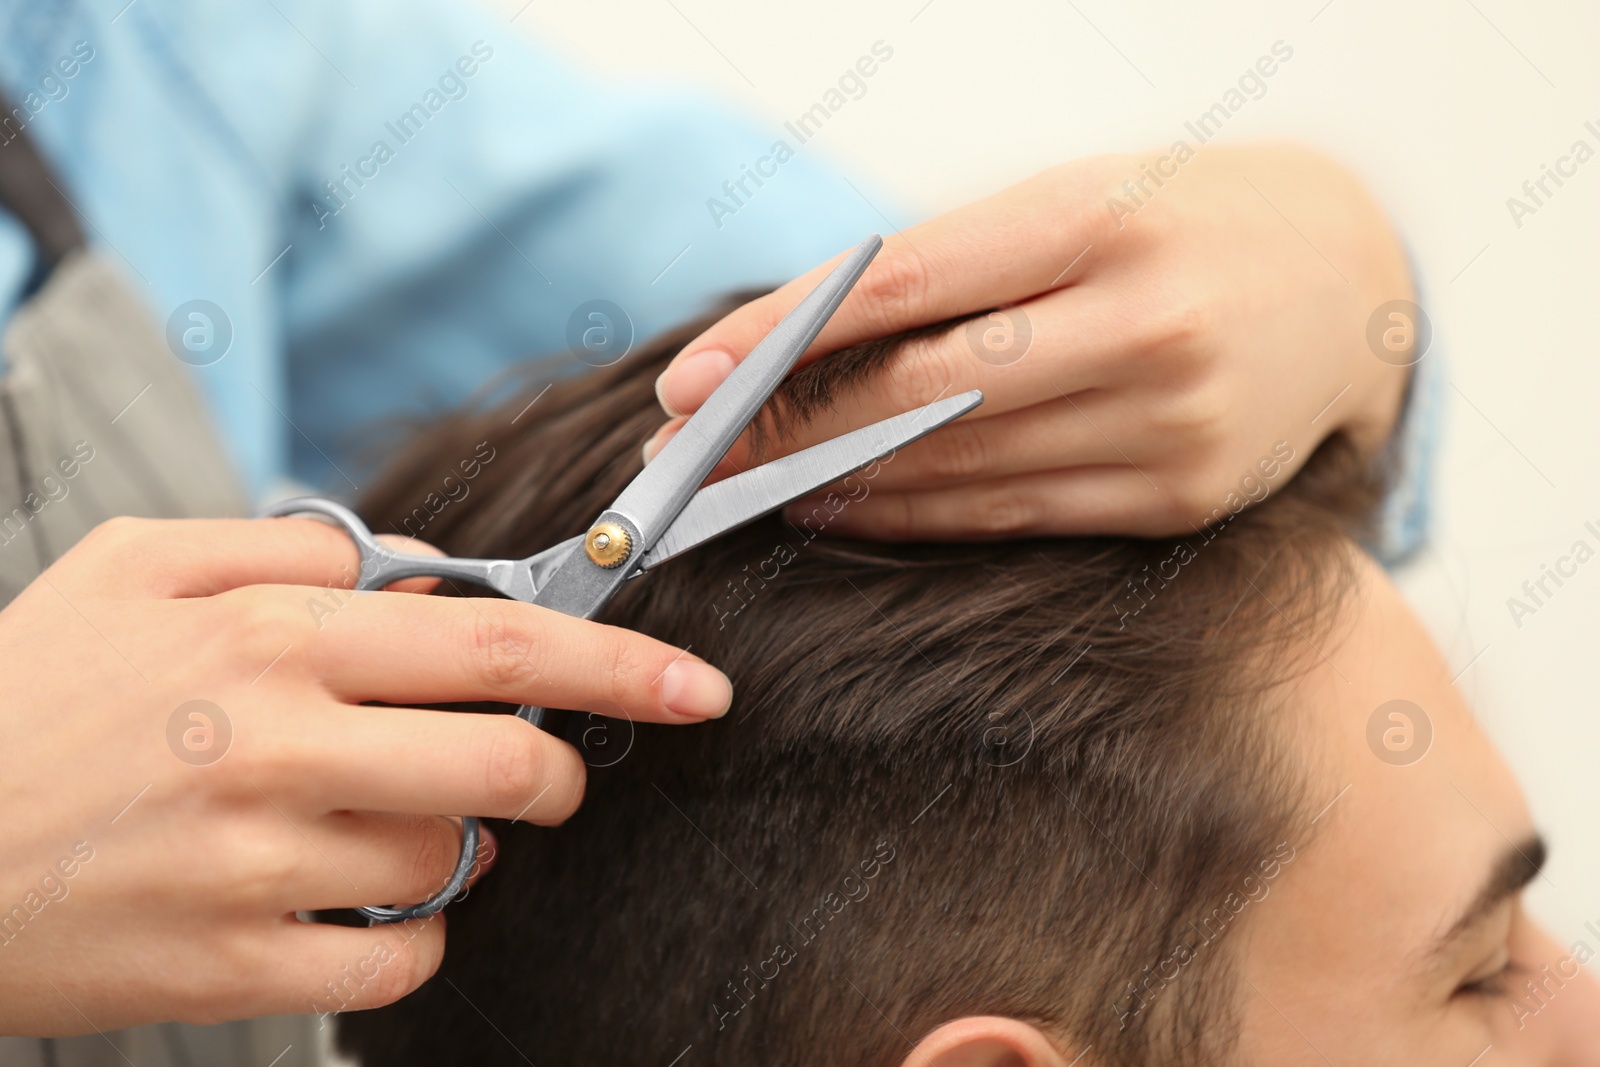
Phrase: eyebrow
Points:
(1513, 869)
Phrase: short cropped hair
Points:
(1041, 779)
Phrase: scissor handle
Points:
(382, 566)
(379, 567)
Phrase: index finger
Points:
(983, 255)
(403, 649)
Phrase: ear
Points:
(985, 1041)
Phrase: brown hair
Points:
(956, 779)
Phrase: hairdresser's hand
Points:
(153, 853)
(1173, 347)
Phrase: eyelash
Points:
(1494, 985)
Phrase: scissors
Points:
(663, 512)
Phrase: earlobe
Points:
(985, 1041)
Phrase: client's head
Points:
(1097, 801)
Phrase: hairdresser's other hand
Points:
(188, 761)
(1162, 356)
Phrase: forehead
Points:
(1409, 808)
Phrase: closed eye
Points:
(1495, 984)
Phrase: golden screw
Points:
(608, 545)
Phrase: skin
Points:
(1405, 850)
(1342, 960)
(180, 901)
(1244, 285)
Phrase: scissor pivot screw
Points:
(608, 545)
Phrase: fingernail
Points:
(696, 690)
(661, 398)
(652, 447)
(488, 849)
(695, 375)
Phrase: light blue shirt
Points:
(389, 201)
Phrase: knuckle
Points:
(112, 539)
(920, 373)
(257, 869)
(565, 796)
(956, 453)
(257, 621)
(1096, 220)
(120, 531)
(1205, 415)
(397, 966)
(897, 515)
(501, 651)
(1197, 417)
(268, 757)
(895, 285)
(515, 769)
(629, 673)
(434, 852)
(1086, 208)
(1181, 326)
(1004, 512)
(1183, 505)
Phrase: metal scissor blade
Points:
(747, 496)
(655, 497)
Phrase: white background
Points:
(1444, 106)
